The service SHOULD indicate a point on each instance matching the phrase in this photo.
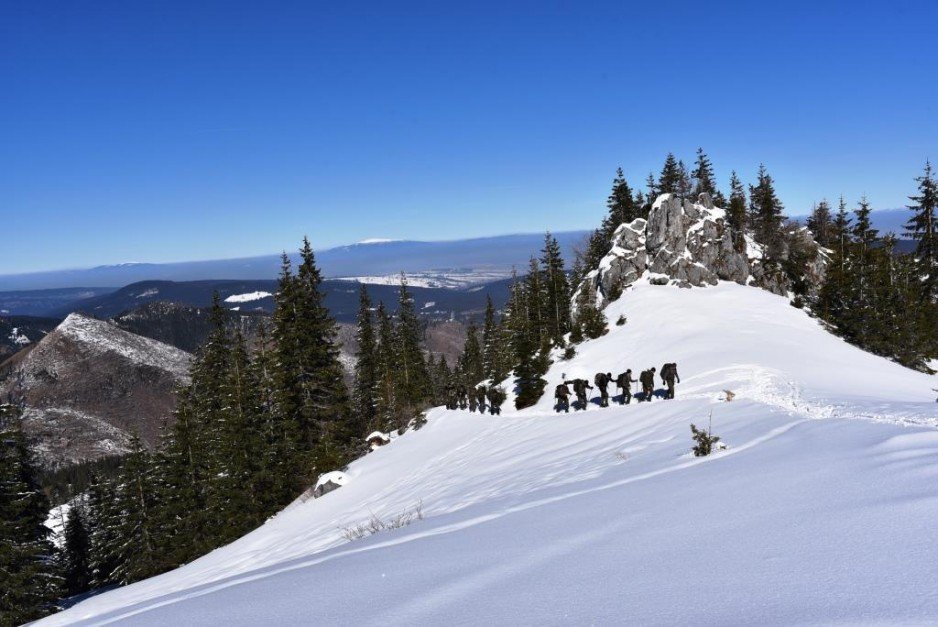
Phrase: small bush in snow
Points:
(797, 302)
(569, 353)
(375, 525)
(614, 292)
(705, 441)
(620, 321)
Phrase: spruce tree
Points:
(387, 415)
(366, 365)
(490, 339)
(820, 223)
(27, 562)
(413, 381)
(704, 179)
(766, 215)
(137, 556)
(556, 290)
(470, 362)
(736, 213)
(670, 180)
(923, 228)
(76, 552)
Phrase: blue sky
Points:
(160, 131)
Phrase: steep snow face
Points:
(821, 509)
(98, 337)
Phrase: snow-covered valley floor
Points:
(823, 509)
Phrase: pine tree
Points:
(704, 179)
(76, 552)
(923, 228)
(490, 339)
(820, 223)
(413, 381)
(470, 363)
(366, 365)
(670, 179)
(736, 213)
(137, 556)
(388, 406)
(621, 204)
(766, 215)
(27, 562)
(840, 228)
(102, 515)
(684, 185)
(556, 290)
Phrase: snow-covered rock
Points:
(328, 482)
(689, 244)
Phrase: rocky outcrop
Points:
(687, 244)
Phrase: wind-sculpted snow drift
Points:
(822, 509)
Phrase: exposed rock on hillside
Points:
(688, 244)
(88, 385)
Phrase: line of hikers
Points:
(479, 398)
(624, 382)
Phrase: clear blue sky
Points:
(158, 131)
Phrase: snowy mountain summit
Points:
(690, 244)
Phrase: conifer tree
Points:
(684, 185)
(366, 364)
(388, 406)
(820, 223)
(137, 556)
(413, 381)
(556, 290)
(704, 179)
(766, 215)
(923, 228)
(76, 552)
(736, 212)
(30, 581)
(490, 339)
(470, 363)
(670, 180)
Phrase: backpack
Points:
(561, 394)
(599, 378)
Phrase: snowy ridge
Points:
(604, 516)
(246, 298)
(98, 336)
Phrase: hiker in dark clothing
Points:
(562, 394)
(602, 381)
(624, 381)
(473, 402)
(496, 397)
(647, 379)
(579, 387)
(480, 398)
(451, 397)
(461, 393)
(668, 376)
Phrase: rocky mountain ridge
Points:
(689, 244)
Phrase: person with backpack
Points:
(647, 379)
(602, 380)
(624, 381)
(668, 376)
(473, 402)
(496, 397)
(461, 394)
(480, 398)
(579, 387)
(562, 394)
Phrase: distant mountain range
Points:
(341, 297)
(467, 259)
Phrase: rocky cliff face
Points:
(88, 385)
(688, 244)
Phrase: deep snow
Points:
(821, 510)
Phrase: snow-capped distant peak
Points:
(376, 240)
(246, 298)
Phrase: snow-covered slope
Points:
(822, 509)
